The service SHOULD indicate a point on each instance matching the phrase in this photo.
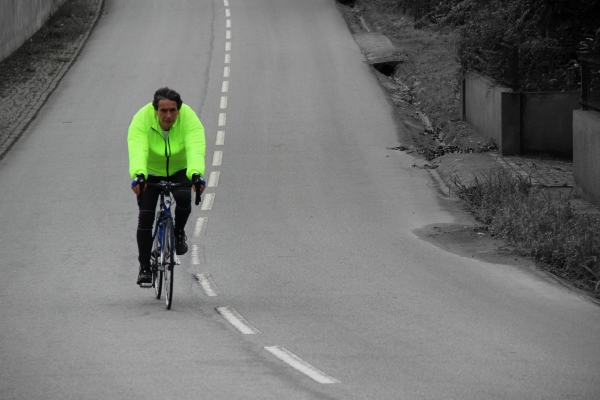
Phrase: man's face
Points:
(167, 113)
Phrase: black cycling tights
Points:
(183, 208)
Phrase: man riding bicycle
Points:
(166, 143)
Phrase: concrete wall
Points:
(586, 163)
(520, 122)
(547, 122)
(494, 111)
(20, 19)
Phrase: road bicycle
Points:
(164, 257)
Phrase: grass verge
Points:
(563, 242)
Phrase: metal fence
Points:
(590, 83)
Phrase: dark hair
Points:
(166, 94)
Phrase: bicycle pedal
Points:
(177, 262)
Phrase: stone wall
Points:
(20, 19)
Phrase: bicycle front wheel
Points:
(155, 262)
(169, 253)
(157, 279)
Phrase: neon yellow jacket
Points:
(150, 153)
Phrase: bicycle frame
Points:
(162, 216)
(164, 257)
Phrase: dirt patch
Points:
(470, 241)
(30, 74)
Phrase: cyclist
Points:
(165, 142)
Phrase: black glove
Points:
(197, 182)
(139, 180)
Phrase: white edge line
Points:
(300, 365)
(237, 321)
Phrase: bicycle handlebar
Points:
(167, 187)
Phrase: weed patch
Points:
(566, 243)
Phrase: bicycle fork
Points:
(162, 245)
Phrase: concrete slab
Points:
(377, 48)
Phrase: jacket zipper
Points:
(167, 150)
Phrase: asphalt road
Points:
(304, 280)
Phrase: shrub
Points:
(547, 34)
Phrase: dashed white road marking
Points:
(223, 101)
(237, 321)
(200, 226)
(195, 256)
(228, 35)
(227, 12)
(227, 46)
(222, 119)
(225, 87)
(213, 179)
(300, 365)
(228, 23)
(208, 202)
(226, 3)
(226, 72)
(207, 284)
(220, 138)
(227, 58)
(217, 158)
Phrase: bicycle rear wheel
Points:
(169, 263)
(155, 262)
(157, 278)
